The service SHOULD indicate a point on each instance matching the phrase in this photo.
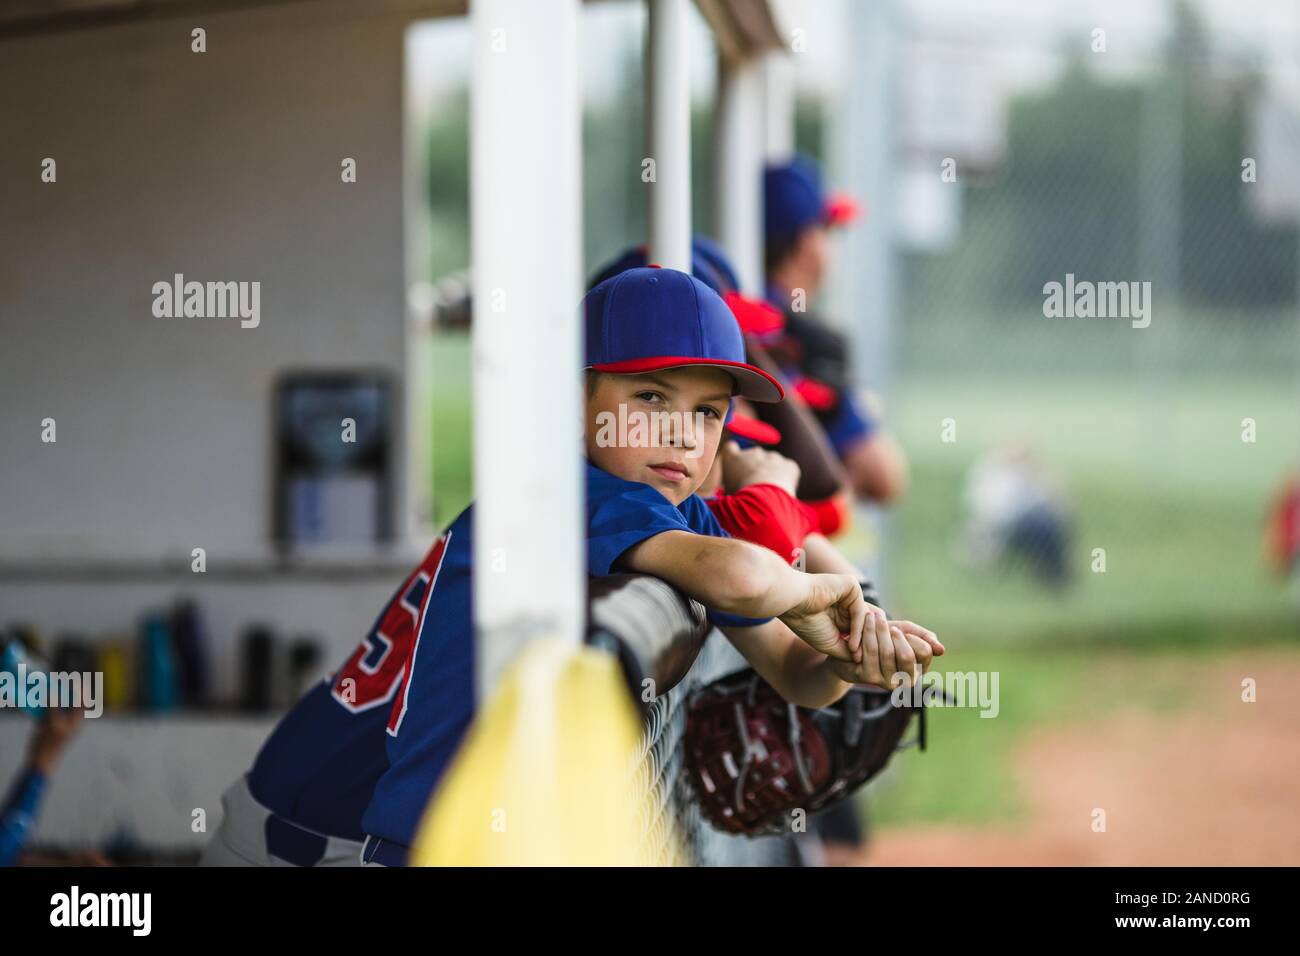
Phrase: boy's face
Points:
(660, 428)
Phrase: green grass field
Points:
(1161, 480)
(1159, 477)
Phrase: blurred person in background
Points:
(1016, 512)
(1283, 541)
(54, 731)
(797, 218)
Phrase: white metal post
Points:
(863, 163)
(778, 107)
(738, 168)
(668, 134)
(525, 205)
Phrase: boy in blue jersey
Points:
(301, 803)
(658, 341)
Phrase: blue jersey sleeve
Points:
(19, 813)
(851, 424)
(622, 513)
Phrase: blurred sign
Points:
(1274, 145)
(952, 106)
(928, 208)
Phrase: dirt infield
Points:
(1216, 783)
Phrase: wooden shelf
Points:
(352, 566)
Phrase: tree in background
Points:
(1067, 198)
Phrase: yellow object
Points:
(547, 774)
(115, 664)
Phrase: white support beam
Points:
(526, 229)
(668, 133)
(862, 125)
(863, 163)
(778, 107)
(738, 168)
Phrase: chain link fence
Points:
(1097, 371)
(673, 831)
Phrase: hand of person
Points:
(757, 466)
(893, 653)
(833, 618)
(56, 729)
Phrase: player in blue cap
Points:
(659, 345)
(798, 215)
(662, 345)
(823, 480)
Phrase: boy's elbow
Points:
(815, 698)
(830, 695)
(878, 470)
(883, 483)
(743, 581)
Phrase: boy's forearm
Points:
(798, 673)
(811, 682)
(772, 587)
(726, 574)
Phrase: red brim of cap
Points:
(841, 209)
(754, 316)
(751, 382)
(819, 396)
(742, 426)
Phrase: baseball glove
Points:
(753, 757)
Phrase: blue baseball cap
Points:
(709, 254)
(793, 200)
(708, 264)
(647, 318)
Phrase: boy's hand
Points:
(52, 736)
(893, 652)
(757, 466)
(833, 617)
